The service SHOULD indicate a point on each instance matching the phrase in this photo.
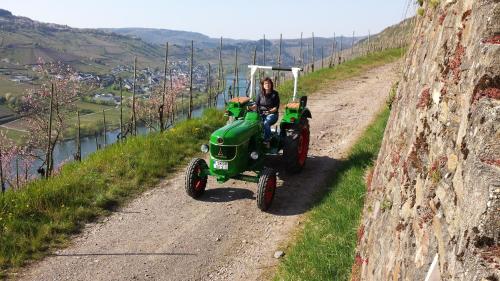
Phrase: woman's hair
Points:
(267, 79)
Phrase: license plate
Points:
(221, 165)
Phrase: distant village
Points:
(108, 84)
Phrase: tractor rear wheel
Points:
(195, 182)
(266, 188)
(296, 147)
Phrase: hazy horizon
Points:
(322, 18)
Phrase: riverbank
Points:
(92, 123)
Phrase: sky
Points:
(235, 19)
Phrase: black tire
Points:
(296, 147)
(266, 188)
(195, 184)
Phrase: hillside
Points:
(434, 197)
(23, 41)
(290, 47)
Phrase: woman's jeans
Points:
(269, 120)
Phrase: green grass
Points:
(312, 82)
(325, 248)
(14, 134)
(11, 87)
(45, 213)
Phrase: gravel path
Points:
(166, 235)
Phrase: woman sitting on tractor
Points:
(268, 103)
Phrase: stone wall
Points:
(435, 190)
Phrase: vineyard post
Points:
(48, 157)
(2, 182)
(134, 121)
(307, 59)
(352, 45)
(121, 108)
(104, 127)
(369, 43)
(78, 156)
(254, 58)
(279, 58)
(312, 65)
(332, 55)
(301, 54)
(162, 107)
(173, 102)
(340, 50)
(209, 86)
(237, 88)
(191, 81)
(322, 57)
(17, 172)
(220, 82)
(264, 50)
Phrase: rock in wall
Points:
(434, 194)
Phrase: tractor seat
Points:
(240, 100)
(293, 105)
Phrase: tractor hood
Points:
(235, 133)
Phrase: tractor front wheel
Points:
(266, 188)
(195, 181)
(296, 148)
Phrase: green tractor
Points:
(237, 150)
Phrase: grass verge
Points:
(325, 248)
(45, 213)
(314, 81)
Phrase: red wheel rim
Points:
(269, 191)
(303, 145)
(199, 183)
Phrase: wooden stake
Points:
(134, 120)
(301, 54)
(264, 50)
(352, 45)
(191, 81)
(162, 108)
(279, 58)
(254, 59)
(332, 56)
(369, 43)
(173, 102)
(209, 92)
(49, 134)
(220, 82)
(78, 156)
(121, 108)
(322, 56)
(2, 182)
(17, 172)
(104, 127)
(306, 60)
(236, 71)
(312, 65)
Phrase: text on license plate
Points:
(221, 165)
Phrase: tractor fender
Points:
(306, 113)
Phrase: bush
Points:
(420, 11)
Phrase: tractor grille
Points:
(222, 152)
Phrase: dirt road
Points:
(166, 235)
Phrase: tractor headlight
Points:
(204, 148)
(254, 155)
